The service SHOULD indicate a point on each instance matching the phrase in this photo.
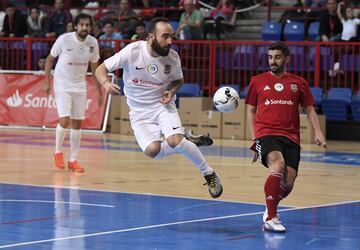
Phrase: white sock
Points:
(75, 137)
(59, 138)
(165, 150)
(193, 153)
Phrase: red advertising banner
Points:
(23, 102)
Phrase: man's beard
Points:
(162, 51)
(278, 69)
(83, 34)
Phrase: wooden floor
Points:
(114, 163)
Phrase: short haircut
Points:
(82, 16)
(108, 22)
(153, 22)
(280, 46)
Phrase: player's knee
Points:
(64, 122)
(153, 149)
(276, 162)
(174, 140)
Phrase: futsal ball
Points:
(226, 99)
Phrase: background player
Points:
(75, 50)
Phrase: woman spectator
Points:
(35, 23)
(350, 24)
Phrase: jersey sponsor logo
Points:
(278, 102)
(279, 87)
(267, 87)
(167, 69)
(15, 100)
(145, 82)
(152, 68)
(81, 49)
(294, 87)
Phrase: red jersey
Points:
(277, 100)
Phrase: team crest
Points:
(81, 49)
(279, 87)
(91, 49)
(294, 87)
(167, 69)
(152, 68)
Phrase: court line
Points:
(168, 224)
(59, 202)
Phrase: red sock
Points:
(272, 191)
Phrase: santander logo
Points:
(15, 100)
(279, 102)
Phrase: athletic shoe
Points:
(274, 225)
(199, 140)
(214, 184)
(75, 167)
(265, 215)
(59, 160)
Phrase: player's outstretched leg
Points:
(199, 140)
(214, 185)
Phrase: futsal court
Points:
(125, 200)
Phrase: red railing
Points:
(213, 63)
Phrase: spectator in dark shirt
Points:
(14, 23)
(330, 24)
(128, 19)
(56, 24)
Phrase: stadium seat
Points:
(313, 31)
(317, 94)
(226, 59)
(189, 90)
(298, 60)
(336, 105)
(271, 31)
(355, 107)
(174, 25)
(294, 31)
(243, 92)
(244, 57)
(350, 62)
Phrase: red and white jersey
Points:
(145, 77)
(277, 100)
(73, 62)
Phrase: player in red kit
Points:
(273, 101)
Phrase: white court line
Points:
(59, 202)
(168, 224)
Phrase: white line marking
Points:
(311, 241)
(58, 202)
(167, 224)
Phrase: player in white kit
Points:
(152, 75)
(75, 50)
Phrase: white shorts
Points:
(71, 104)
(150, 124)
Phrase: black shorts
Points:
(289, 149)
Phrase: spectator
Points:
(350, 24)
(14, 23)
(140, 32)
(191, 22)
(97, 30)
(109, 34)
(2, 17)
(128, 19)
(330, 24)
(41, 63)
(35, 22)
(56, 24)
(224, 13)
(69, 27)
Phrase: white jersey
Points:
(73, 62)
(145, 77)
(350, 28)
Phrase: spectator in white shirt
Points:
(350, 24)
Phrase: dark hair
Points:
(153, 22)
(280, 46)
(108, 22)
(82, 16)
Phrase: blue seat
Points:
(355, 109)
(244, 57)
(337, 104)
(225, 59)
(271, 31)
(313, 31)
(298, 60)
(326, 58)
(174, 25)
(317, 94)
(189, 90)
(350, 62)
(294, 31)
(243, 92)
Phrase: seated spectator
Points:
(97, 30)
(35, 23)
(14, 23)
(140, 32)
(2, 17)
(350, 24)
(330, 24)
(223, 13)
(56, 24)
(294, 14)
(69, 27)
(191, 22)
(41, 63)
(109, 33)
(127, 18)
